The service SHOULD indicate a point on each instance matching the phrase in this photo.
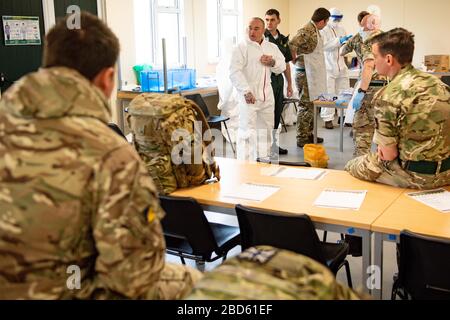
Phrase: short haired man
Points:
(412, 121)
(356, 42)
(80, 217)
(274, 36)
(364, 121)
(252, 63)
(307, 46)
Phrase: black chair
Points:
(424, 268)
(293, 233)
(288, 101)
(117, 130)
(446, 80)
(197, 98)
(189, 235)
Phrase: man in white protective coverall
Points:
(252, 63)
(334, 36)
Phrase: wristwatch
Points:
(361, 90)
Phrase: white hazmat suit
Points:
(337, 71)
(248, 74)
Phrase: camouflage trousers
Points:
(371, 168)
(175, 283)
(364, 125)
(305, 116)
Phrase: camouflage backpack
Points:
(266, 273)
(168, 133)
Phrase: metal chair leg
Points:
(283, 124)
(349, 275)
(228, 134)
(182, 260)
(200, 265)
(325, 235)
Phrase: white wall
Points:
(428, 20)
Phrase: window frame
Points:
(221, 13)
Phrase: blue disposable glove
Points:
(357, 101)
(342, 40)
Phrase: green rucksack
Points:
(168, 133)
(266, 273)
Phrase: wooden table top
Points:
(409, 214)
(296, 196)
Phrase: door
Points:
(16, 61)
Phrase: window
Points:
(224, 22)
(156, 20)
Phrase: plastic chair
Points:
(293, 233)
(189, 235)
(197, 98)
(424, 268)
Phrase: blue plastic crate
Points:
(153, 81)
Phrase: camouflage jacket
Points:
(413, 112)
(304, 42)
(266, 273)
(73, 196)
(363, 50)
(354, 44)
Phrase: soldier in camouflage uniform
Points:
(266, 273)
(304, 43)
(412, 121)
(364, 120)
(77, 205)
(356, 42)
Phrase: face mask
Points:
(334, 23)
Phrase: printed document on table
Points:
(252, 192)
(341, 199)
(292, 173)
(438, 199)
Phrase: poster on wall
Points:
(21, 31)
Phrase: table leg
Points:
(342, 130)
(366, 257)
(378, 262)
(315, 124)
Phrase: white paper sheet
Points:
(292, 173)
(341, 199)
(252, 192)
(438, 199)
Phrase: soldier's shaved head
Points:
(257, 19)
(256, 28)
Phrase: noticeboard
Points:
(21, 31)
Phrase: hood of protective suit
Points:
(55, 93)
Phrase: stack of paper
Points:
(252, 192)
(438, 199)
(292, 173)
(341, 199)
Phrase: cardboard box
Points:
(440, 63)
